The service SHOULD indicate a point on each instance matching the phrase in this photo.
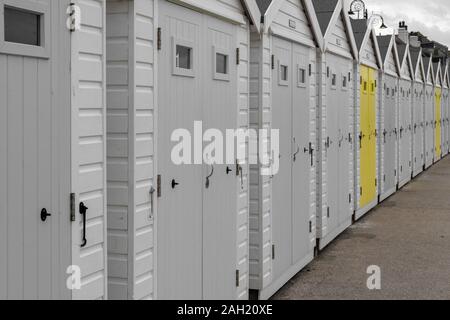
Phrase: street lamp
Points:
(377, 18)
(358, 6)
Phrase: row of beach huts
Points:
(92, 205)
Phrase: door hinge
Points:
(376, 182)
(310, 227)
(310, 70)
(158, 186)
(395, 172)
(360, 191)
(273, 62)
(159, 39)
(349, 198)
(74, 20)
(237, 278)
(72, 207)
(328, 212)
(238, 56)
(384, 178)
(273, 252)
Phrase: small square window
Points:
(22, 26)
(283, 73)
(184, 57)
(301, 76)
(344, 82)
(333, 79)
(221, 63)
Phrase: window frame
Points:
(281, 82)
(19, 49)
(217, 75)
(333, 74)
(177, 71)
(301, 68)
(347, 82)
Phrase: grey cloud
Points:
(431, 17)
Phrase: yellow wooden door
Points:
(367, 136)
(372, 171)
(438, 94)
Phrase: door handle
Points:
(152, 194)
(228, 170)
(209, 177)
(44, 215)
(361, 136)
(311, 153)
(174, 184)
(296, 153)
(83, 212)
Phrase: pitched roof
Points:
(426, 63)
(383, 43)
(324, 11)
(401, 47)
(359, 27)
(263, 5)
(415, 54)
(435, 68)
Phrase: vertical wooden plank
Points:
(15, 177)
(64, 112)
(31, 210)
(44, 179)
(3, 178)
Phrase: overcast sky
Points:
(431, 17)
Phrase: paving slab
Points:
(407, 237)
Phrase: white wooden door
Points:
(418, 158)
(35, 157)
(219, 80)
(389, 134)
(302, 158)
(196, 251)
(282, 77)
(179, 220)
(291, 186)
(331, 141)
(344, 140)
(405, 131)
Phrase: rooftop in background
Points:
(359, 27)
(263, 5)
(324, 11)
(383, 43)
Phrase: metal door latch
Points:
(240, 174)
(296, 152)
(83, 211)
(209, 177)
(311, 153)
(44, 215)
(152, 194)
(174, 184)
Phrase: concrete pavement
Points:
(407, 236)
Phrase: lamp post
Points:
(377, 19)
(358, 6)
